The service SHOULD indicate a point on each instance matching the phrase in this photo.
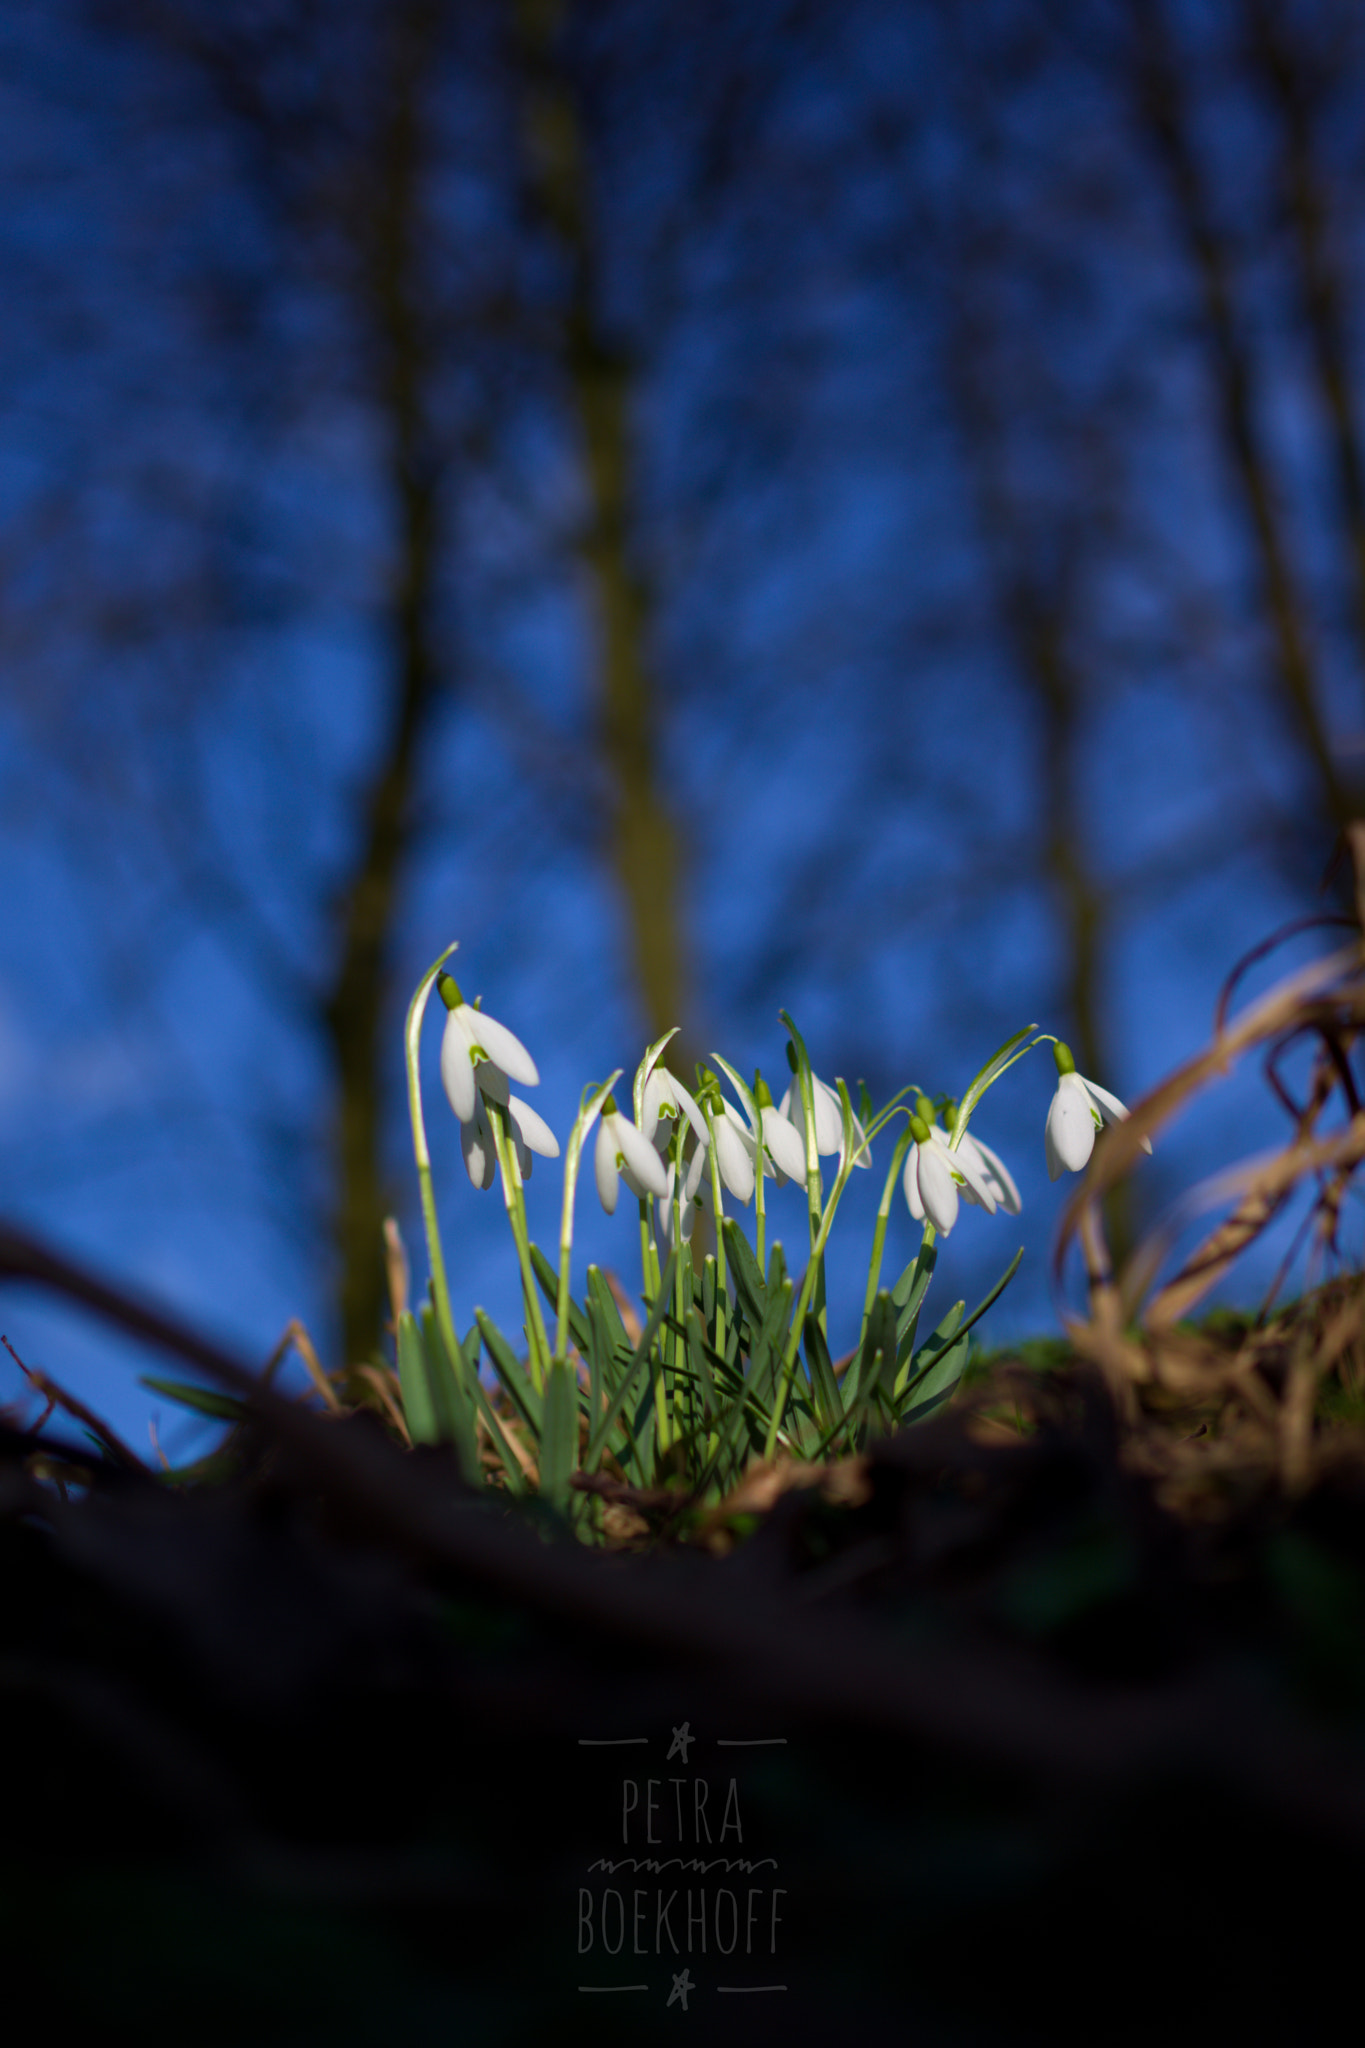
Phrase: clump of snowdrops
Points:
(732, 1360)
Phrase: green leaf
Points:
(824, 1384)
(749, 1283)
(203, 1400)
(446, 1385)
(602, 1425)
(913, 1369)
(559, 1437)
(419, 1411)
(995, 1066)
(600, 1292)
(935, 1385)
(1001, 1284)
(508, 1367)
(908, 1295)
(548, 1276)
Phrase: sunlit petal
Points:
(535, 1132)
(500, 1045)
(457, 1071)
(604, 1165)
(1069, 1138)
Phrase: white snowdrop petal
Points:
(829, 1118)
(1070, 1135)
(736, 1167)
(784, 1143)
(604, 1165)
(937, 1188)
(978, 1182)
(457, 1072)
(911, 1181)
(1110, 1108)
(1003, 1188)
(639, 1155)
(535, 1133)
(500, 1044)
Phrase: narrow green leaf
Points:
(990, 1300)
(749, 1282)
(600, 1292)
(510, 1371)
(935, 1387)
(548, 1277)
(559, 1437)
(824, 1383)
(418, 1408)
(203, 1400)
(446, 1383)
(602, 1425)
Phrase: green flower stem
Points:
(412, 1037)
(588, 1109)
(649, 1264)
(874, 1271)
(759, 1218)
(808, 1284)
(514, 1201)
(814, 1189)
(722, 1283)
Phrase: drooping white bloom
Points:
(1077, 1111)
(734, 1153)
(623, 1152)
(664, 1099)
(989, 1165)
(478, 1053)
(529, 1133)
(829, 1121)
(933, 1175)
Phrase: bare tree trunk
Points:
(355, 1005)
(644, 848)
(1319, 285)
(1165, 118)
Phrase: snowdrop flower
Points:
(664, 1100)
(829, 1122)
(783, 1151)
(1077, 1111)
(992, 1168)
(478, 1053)
(735, 1152)
(624, 1152)
(933, 1175)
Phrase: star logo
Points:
(681, 1986)
(681, 1738)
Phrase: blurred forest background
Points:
(856, 505)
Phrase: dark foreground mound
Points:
(992, 1746)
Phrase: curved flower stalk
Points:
(1077, 1111)
(588, 1110)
